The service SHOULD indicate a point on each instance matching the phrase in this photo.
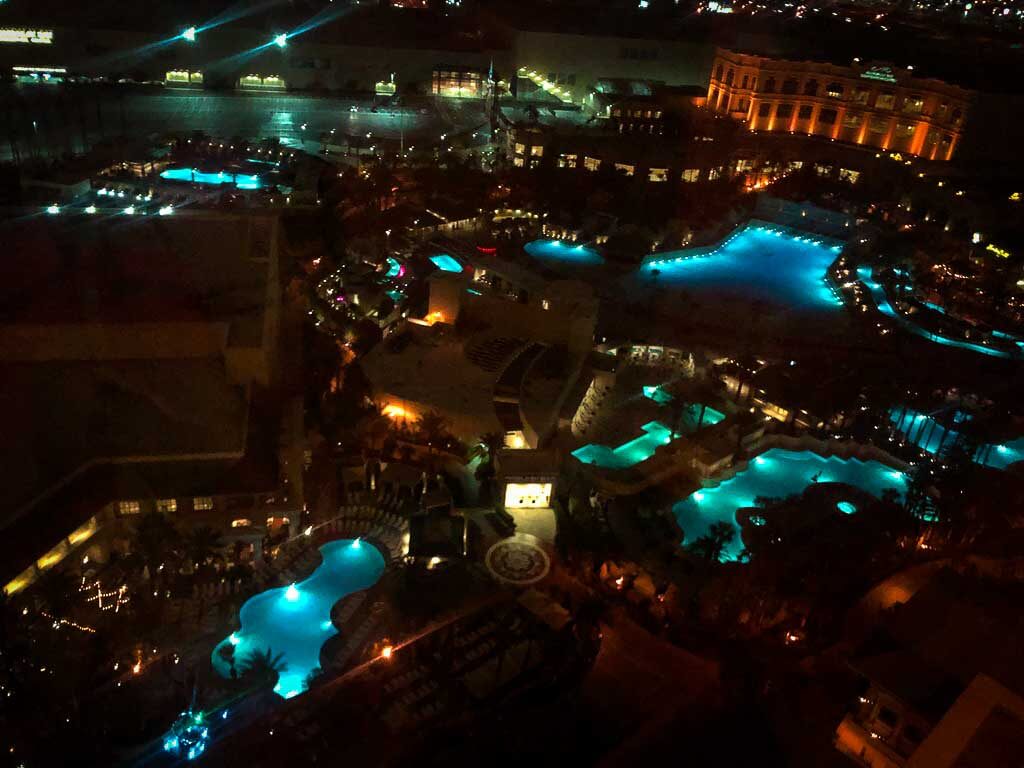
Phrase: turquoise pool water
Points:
(755, 262)
(446, 263)
(296, 620)
(777, 473)
(192, 175)
(394, 267)
(867, 276)
(557, 250)
(659, 395)
(927, 433)
(642, 448)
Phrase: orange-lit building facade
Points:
(874, 105)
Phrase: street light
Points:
(189, 34)
(281, 40)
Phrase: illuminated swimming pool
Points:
(757, 261)
(394, 267)
(446, 263)
(557, 250)
(927, 433)
(195, 176)
(659, 395)
(296, 621)
(777, 473)
(642, 448)
(867, 276)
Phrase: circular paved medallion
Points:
(517, 561)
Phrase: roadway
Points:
(49, 120)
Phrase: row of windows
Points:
(645, 114)
(913, 104)
(134, 506)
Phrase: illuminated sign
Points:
(41, 70)
(882, 73)
(1001, 252)
(40, 36)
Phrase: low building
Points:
(943, 682)
(162, 397)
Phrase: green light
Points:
(189, 34)
(281, 40)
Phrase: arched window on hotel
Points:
(834, 91)
(728, 77)
(789, 86)
(811, 88)
(957, 116)
(769, 85)
(745, 81)
(711, 97)
(718, 73)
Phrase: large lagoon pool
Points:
(655, 433)
(756, 262)
(777, 473)
(867, 276)
(296, 620)
(195, 176)
(928, 434)
(569, 253)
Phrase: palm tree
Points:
(488, 447)
(264, 666)
(712, 544)
(202, 543)
(155, 539)
(433, 429)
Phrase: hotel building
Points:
(870, 104)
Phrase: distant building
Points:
(874, 105)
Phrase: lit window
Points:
(128, 508)
(905, 129)
(851, 121)
(878, 124)
(744, 165)
(202, 503)
(657, 174)
(913, 105)
(277, 521)
(714, 174)
(592, 163)
(691, 174)
(520, 149)
(545, 304)
(885, 101)
(845, 174)
(517, 162)
(520, 495)
(536, 151)
(822, 170)
(241, 522)
(166, 505)
(657, 114)
(566, 160)
(860, 95)
(625, 168)
(834, 91)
